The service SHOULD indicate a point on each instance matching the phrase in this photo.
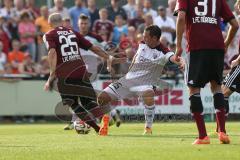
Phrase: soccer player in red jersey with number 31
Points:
(206, 46)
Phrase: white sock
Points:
(74, 117)
(113, 112)
(149, 112)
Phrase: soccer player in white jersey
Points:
(143, 73)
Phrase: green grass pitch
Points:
(170, 141)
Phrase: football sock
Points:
(197, 113)
(226, 105)
(74, 117)
(149, 112)
(113, 113)
(220, 111)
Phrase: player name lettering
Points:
(71, 58)
(64, 32)
(209, 20)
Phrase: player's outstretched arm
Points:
(98, 51)
(179, 31)
(52, 58)
(110, 59)
(231, 32)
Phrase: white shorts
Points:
(117, 91)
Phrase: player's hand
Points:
(178, 53)
(181, 64)
(235, 63)
(46, 86)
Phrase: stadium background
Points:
(22, 97)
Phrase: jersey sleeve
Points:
(181, 5)
(226, 12)
(82, 42)
(167, 54)
(49, 41)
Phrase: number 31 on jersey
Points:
(205, 4)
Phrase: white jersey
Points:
(90, 59)
(147, 66)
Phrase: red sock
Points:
(220, 117)
(200, 124)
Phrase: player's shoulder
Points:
(162, 48)
(51, 32)
(95, 36)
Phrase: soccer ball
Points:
(81, 127)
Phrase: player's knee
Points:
(196, 103)
(215, 87)
(148, 98)
(103, 99)
(193, 90)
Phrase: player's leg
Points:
(149, 110)
(70, 126)
(116, 117)
(71, 90)
(105, 98)
(196, 108)
(227, 93)
(196, 78)
(111, 93)
(218, 100)
(218, 97)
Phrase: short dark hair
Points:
(154, 30)
(24, 14)
(83, 17)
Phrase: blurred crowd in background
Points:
(22, 26)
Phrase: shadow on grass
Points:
(152, 136)
(15, 146)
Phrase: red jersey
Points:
(66, 42)
(103, 28)
(203, 22)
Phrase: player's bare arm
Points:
(231, 32)
(52, 58)
(98, 51)
(179, 31)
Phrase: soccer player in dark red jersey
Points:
(206, 59)
(67, 66)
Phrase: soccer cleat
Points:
(70, 126)
(223, 138)
(147, 131)
(205, 140)
(104, 129)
